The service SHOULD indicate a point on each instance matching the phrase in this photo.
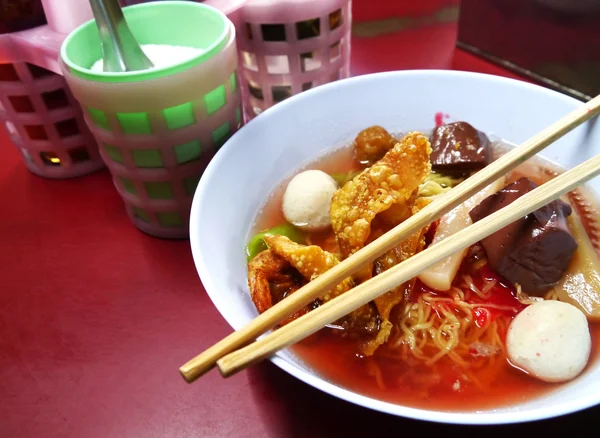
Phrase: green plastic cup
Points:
(167, 22)
(157, 129)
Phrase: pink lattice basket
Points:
(43, 120)
(290, 46)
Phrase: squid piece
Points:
(391, 181)
(580, 286)
(441, 275)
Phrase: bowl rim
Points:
(314, 380)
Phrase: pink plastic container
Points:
(43, 120)
(289, 46)
(65, 15)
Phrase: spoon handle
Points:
(120, 50)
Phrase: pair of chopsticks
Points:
(238, 351)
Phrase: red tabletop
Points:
(96, 317)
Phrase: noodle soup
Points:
(442, 340)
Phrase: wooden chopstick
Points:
(410, 268)
(303, 296)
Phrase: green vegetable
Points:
(343, 178)
(257, 243)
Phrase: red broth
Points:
(337, 360)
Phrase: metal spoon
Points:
(120, 50)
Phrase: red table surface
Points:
(96, 317)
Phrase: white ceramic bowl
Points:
(274, 145)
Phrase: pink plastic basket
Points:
(289, 46)
(45, 123)
(42, 118)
